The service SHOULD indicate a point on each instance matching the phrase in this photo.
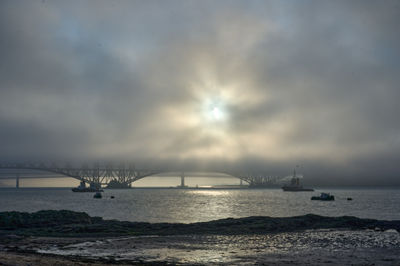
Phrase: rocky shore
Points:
(72, 224)
(74, 238)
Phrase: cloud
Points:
(314, 82)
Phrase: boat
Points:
(118, 185)
(82, 188)
(295, 185)
(323, 196)
(97, 195)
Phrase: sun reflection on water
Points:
(209, 192)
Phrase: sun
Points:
(217, 113)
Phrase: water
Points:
(309, 247)
(194, 205)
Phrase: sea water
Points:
(197, 205)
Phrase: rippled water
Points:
(193, 205)
(343, 247)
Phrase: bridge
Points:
(119, 177)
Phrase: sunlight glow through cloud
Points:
(215, 111)
(217, 114)
(262, 82)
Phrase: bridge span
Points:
(122, 176)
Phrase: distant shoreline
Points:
(235, 187)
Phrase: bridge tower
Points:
(183, 179)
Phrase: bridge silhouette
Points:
(121, 176)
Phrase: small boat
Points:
(323, 196)
(97, 195)
(295, 185)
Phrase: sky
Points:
(251, 86)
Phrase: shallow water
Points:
(341, 246)
(193, 205)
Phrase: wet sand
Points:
(13, 258)
(313, 247)
(71, 238)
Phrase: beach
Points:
(70, 238)
(273, 249)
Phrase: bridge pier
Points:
(17, 181)
(183, 179)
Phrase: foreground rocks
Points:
(76, 224)
(75, 238)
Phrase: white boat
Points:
(295, 185)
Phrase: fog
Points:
(251, 86)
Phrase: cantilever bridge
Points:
(122, 175)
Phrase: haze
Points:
(205, 85)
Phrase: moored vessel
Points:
(82, 188)
(295, 185)
(323, 196)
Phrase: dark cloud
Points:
(311, 82)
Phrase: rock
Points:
(69, 223)
(12, 220)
